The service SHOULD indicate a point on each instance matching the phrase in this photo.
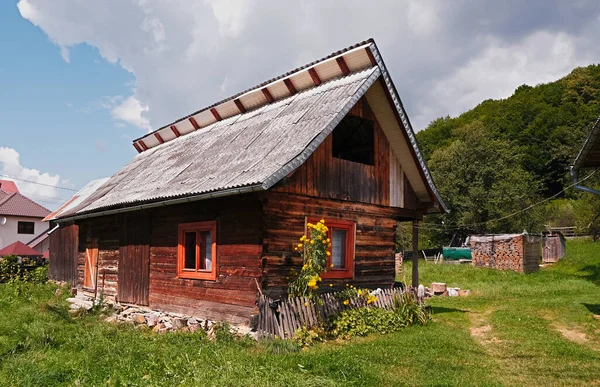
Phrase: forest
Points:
(503, 166)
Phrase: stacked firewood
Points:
(505, 252)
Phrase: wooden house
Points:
(210, 209)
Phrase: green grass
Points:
(514, 329)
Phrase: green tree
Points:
(481, 178)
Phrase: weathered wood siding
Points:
(134, 258)
(63, 253)
(239, 248)
(284, 223)
(126, 240)
(105, 230)
(323, 175)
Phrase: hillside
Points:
(505, 154)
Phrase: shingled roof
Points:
(15, 204)
(252, 140)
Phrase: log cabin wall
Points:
(284, 217)
(323, 175)
(239, 248)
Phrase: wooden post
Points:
(415, 254)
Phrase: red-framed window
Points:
(340, 261)
(197, 251)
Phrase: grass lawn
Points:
(514, 329)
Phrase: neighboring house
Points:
(209, 211)
(21, 219)
(588, 157)
(19, 249)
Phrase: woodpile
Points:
(517, 252)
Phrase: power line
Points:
(35, 182)
(456, 227)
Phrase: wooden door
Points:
(134, 258)
(90, 273)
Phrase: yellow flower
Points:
(299, 245)
(322, 220)
(328, 253)
(295, 248)
(312, 283)
(303, 238)
(330, 285)
(331, 266)
(346, 302)
(347, 285)
(328, 240)
(359, 292)
(306, 304)
(312, 242)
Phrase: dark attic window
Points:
(354, 140)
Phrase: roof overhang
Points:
(589, 155)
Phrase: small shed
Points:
(553, 247)
(518, 252)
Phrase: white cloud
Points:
(10, 165)
(444, 56)
(132, 112)
(497, 70)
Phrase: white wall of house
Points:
(8, 232)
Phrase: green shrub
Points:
(223, 332)
(305, 337)
(365, 321)
(39, 275)
(9, 268)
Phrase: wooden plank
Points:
(343, 66)
(216, 114)
(240, 105)
(159, 138)
(176, 131)
(290, 86)
(315, 77)
(268, 95)
(194, 123)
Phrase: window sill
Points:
(198, 276)
(338, 274)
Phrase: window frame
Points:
(197, 227)
(23, 222)
(350, 227)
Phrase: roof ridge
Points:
(233, 97)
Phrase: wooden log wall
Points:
(239, 248)
(63, 253)
(323, 175)
(284, 223)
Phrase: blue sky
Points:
(80, 79)
(51, 111)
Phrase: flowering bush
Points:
(314, 250)
(352, 292)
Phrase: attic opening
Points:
(354, 140)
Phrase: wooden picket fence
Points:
(283, 317)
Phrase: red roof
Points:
(8, 186)
(15, 204)
(18, 248)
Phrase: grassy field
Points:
(514, 329)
